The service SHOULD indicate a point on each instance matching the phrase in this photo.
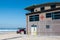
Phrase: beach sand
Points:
(14, 36)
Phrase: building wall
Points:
(41, 24)
(46, 8)
(37, 9)
(56, 27)
(57, 6)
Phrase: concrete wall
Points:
(39, 9)
(46, 8)
(57, 6)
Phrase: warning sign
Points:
(41, 17)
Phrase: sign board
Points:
(41, 17)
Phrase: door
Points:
(34, 30)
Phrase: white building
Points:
(43, 19)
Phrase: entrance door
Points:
(34, 30)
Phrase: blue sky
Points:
(12, 13)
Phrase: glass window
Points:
(48, 15)
(53, 15)
(53, 6)
(32, 10)
(31, 18)
(33, 25)
(34, 18)
(47, 26)
(42, 8)
(56, 16)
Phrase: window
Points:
(34, 18)
(32, 10)
(31, 18)
(53, 15)
(47, 26)
(33, 25)
(56, 16)
(53, 6)
(42, 8)
(48, 15)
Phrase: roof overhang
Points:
(45, 4)
(43, 11)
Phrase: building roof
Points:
(43, 11)
(39, 5)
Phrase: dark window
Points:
(48, 15)
(53, 6)
(31, 18)
(32, 10)
(56, 16)
(53, 15)
(42, 8)
(33, 25)
(34, 18)
(47, 26)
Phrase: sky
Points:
(12, 13)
